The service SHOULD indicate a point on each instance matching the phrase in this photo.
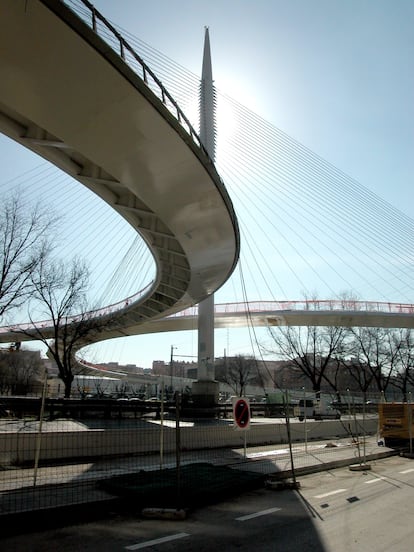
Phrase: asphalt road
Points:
(336, 511)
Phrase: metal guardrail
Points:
(75, 408)
(109, 408)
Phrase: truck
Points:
(396, 423)
(315, 409)
(275, 403)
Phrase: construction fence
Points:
(70, 451)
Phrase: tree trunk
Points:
(317, 391)
(68, 387)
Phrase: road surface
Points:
(336, 511)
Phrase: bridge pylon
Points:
(205, 390)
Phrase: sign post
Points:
(241, 416)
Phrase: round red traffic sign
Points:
(241, 413)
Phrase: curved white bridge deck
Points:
(65, 94)
(372, 314)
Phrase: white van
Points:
(315, 409)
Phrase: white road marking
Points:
(258, 514)
(331, 493)
(408, 471)
(375, 480)
(141, 545)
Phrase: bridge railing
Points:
(102, 27)
(104, 311)
(242, 307)
(313, 305)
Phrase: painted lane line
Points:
(145, 544)
(258, 514)
(331, 493)
(375, 480)
(408, 471)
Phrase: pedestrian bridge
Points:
(105, 119)
(94, 109)
(269, 313)
(295, 313)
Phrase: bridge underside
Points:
(67, 96)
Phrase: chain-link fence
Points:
(64, 452)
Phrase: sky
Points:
(336, 76)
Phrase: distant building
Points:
(160, 368)
(116, 367)
(179, 368)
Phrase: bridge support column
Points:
(205, 390)
(205, 396)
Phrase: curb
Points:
(323, 466)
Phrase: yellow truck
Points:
(396, 423)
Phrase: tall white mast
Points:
(207, 101)
(205, 389)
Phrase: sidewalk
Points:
(315, 456)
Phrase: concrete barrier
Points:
(17, 448)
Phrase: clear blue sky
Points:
(335, 75)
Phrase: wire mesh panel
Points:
(82, 453)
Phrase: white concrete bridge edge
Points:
(161, 185)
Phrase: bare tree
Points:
(20, 371)
(5, 380)
(361, 374)
(403, 377)
(237, 372)
(24, 242)
(60, 292)
(311, 350)
(375, 353)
